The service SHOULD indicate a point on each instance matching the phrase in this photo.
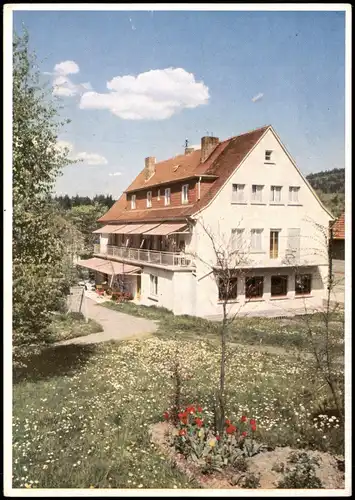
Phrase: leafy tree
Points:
(39, 278)
(84, 218)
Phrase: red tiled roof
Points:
(339, 228)
(224, 160)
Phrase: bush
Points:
(301, 472)
(119, 296)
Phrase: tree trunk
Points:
(221, 394)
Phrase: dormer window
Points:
(149, 199)
(185, 193)
(268, 155)
(133, 201)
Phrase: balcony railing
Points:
(171, 259)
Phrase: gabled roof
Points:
(339, 228)
(220, 165)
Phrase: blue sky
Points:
(218, 72)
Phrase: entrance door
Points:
(139, 286)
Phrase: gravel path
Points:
(116, 325)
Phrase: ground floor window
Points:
(227, 288)
(254, 287)
(303, 284)
(278, 286)
(153, 284)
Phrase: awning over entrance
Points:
(108, 266)
(111, 228)
(165, 229)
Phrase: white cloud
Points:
(154, 95)
(63, 86)
(115, 173)
(83, 156)
(257, 97)
(91, 158)
(66, 68)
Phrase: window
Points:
(278, 286)
(274, 244)
(185, 193)
(293, 194)
(254, 287)
(255, 243)
(158, 195)
(268, 154)
(227, 288)
(133, 201)
(149, 199)
(257, 193)
(167, 196)
(275, 194)
(303, 284)
(238, 193)
(153, 284)
(237, 239)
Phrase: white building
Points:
(178, 218)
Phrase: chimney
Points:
(208, 144)
(189, 150)
(149, 169)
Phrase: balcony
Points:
(138, 255)
(259, 260)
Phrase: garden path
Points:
(116, 325)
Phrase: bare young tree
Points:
(229, 265)
(323, 341)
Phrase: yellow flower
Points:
(212, 443)
(27, 485)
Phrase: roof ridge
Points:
(221, 142)
(249, 132)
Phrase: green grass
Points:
(287, 333)
(81, 413)
(72, 325)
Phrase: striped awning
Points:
(134, 228)
(143, 228)
(108, 266)
(111, 228)
(166, 228)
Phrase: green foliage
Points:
(328, 181)
(72, 325)
(250, 480)
(39, 264)
(67, 202)
(196, 440)
(300, 472)
(84, 219)
(330, 188)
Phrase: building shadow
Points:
(54, 361)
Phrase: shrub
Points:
(250, 480)
(301, 472)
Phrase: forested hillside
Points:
(330, 187)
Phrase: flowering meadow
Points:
(88, 427)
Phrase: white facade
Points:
(279, 229)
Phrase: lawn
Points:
(286, 333)
(72, 325)
(81, 413)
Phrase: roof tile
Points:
(223, 161)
